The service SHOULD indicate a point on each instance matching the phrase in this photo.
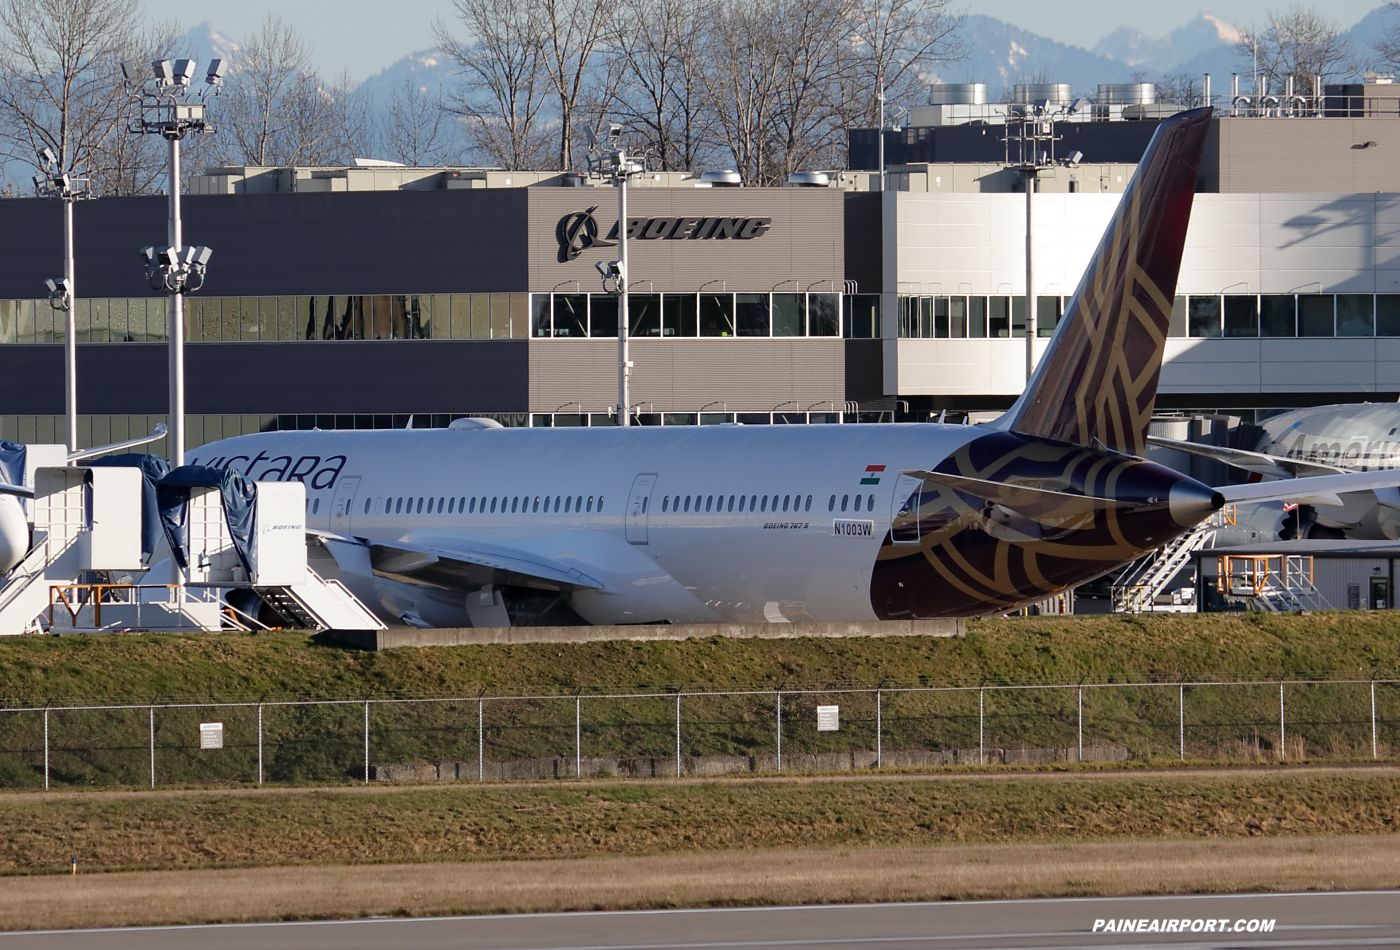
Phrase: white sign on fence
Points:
(828, 718)
(211, 735)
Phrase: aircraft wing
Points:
(459, 562)
(1316, 490)
(6, 489)
(1032, 502)
(1275, 466)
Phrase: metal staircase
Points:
(1276, 583)
(319, 604)
(1140, 586)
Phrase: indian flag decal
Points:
(872, 474)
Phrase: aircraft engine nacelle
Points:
(14, 533)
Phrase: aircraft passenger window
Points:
(536, 506)
(775, 502)
(578, 504)
(600, 502)
(546, 504)
(808, 505)
(763, 505)
(420, 506)
(367, 504)
(440, 503)
(461, 505)
(785, 501)
(557, 499)
(472, 509)
(590, 503)
(709, 503)
(753, 499)
(398, 506)
(844, 499)
(665, 502)
(831, 505)
(316, 506)
(451, 504)
(687, 502)
(731, 502)
(493, 506)
(871, 506)
(567, 502)
(742, 499)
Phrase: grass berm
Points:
(325, 743)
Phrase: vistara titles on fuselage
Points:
(485, 525)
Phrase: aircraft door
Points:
(638, 504)
(904, 510)
(342, 503)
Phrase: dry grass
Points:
(461, 823)
(787, 876)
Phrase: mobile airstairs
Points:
(84, 570)
(1140, 589)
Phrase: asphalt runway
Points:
(1315, 920)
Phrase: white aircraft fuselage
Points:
(716, 523)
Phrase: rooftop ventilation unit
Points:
(957, 94)
(728, 178)
(1054, 93)
(809, 180)
(1127, 94)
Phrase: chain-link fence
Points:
(678, 733)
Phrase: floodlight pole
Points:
(880, 95)
(624, 364)
(177, 326)
(70, 329)
(1030, 273)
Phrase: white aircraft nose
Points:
(1191, 502)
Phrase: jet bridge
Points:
(85, 569)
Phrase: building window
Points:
(1278, 315)
(751, 315)
(1241, 315)
(1356, 315)
(1316, 316)
(789, 315)
(716, 315)
(1203, 316)
(571, 315)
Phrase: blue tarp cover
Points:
(153, 469)
(12, 463)
(239, 497)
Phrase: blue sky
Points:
(362, 37)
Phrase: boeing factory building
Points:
(361, 297)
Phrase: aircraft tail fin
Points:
(1097, 381)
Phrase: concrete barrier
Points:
(701, 766)
(395, 637)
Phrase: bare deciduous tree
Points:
(1387, 45)
(659, 93)
(503, 87)
(416, 128)
(273, 109)
(1299, 43)
(901, 40)
(61, 88)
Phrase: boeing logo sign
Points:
(578, 231)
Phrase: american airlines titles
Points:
(1380, 454)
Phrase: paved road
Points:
(1315, 920)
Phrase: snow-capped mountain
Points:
(204, 43)
(1204, 34)
(427, 69)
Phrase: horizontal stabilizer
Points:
(20, 490)
(1032, 502)
(1317, 490)
(1275, 466)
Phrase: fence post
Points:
(981, 724)
(46, 737)
(678, 734)
(1081, 724)
(367, 742)
(480, 740)
(1373, 727)
(1282, 736)
(578, 736)
(780, 730)
(260, 744)
(1181, 721)
(879, 745)
(152, 712)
